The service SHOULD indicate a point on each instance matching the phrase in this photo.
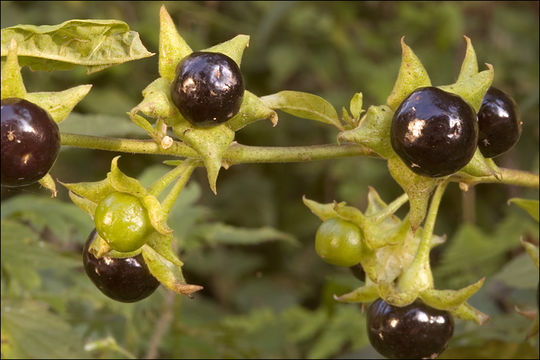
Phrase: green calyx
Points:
(396, 260)
(373, 130)
(209, 143)
(130, 219)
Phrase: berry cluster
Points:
(436, 133)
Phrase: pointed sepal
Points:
(480, 166)
(450, 299)
(373, 131)
(167, 273)
(210, 143)
(411, 76)
(363, 294)
(83, 203)
(467, 312)
(472, 89)
(469, 66)
(48, 183)
(251, 110)
(233, 48)
(59, 104)
(12, 82)
(417, 187)
(172, 47)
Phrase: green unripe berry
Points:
(122, 221)
(339, 242)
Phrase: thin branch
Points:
(244, 154)
(162, 325)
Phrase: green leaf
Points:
(303, 105)
(94, 44)
(59, 103)
(23, 255)
(167, 273)
(252, 109)
(519, 273)
(473, 253)
(302, 324)
(492, 349)
(225, 234)
(32, 331)
(172, 47)
(210, 143)
(346, 326)
(411, 76)
(373, 131)
(61, 218)
(531, 206)
(469, 66)
(472, 89)
(12, 82)
(356, 106)
(233, 48)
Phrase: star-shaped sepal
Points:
(157, 252)
(209, 143)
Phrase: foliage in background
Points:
(270, 298)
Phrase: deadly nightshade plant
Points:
(392, 252)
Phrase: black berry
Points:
(411, 332)
(358, 272)
(434, 132)
(208, 88)
(122, 279)
(499, 124)
(30, 142)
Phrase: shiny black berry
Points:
(414, 331)
(30, 142)
(208, 88)
(122, 279)
(434, 132)
(499, 124)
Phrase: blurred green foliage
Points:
(273, 299)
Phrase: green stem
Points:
(157, 187)
(425, 243)
(418, 277)
(391, 208)
(126, 145)
(243, 154)
(187, 168)
(508, 176)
